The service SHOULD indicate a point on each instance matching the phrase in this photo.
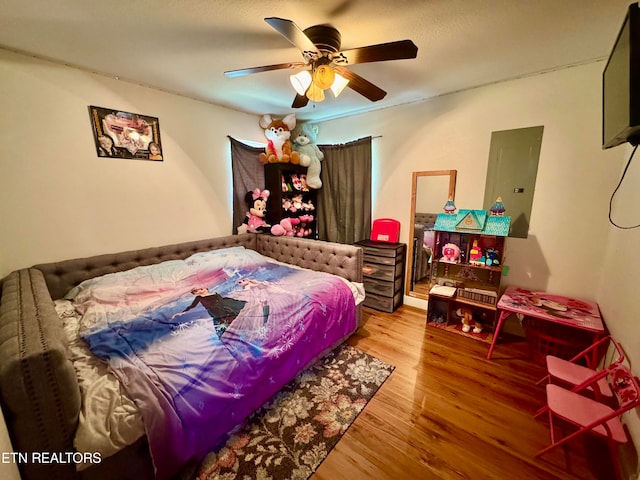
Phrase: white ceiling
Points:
(184, 46)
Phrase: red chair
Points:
(580, 369)
(591, 416)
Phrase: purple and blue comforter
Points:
(199, 344)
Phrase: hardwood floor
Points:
(448, 413)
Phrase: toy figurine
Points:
(450, 207)
(497, 209)
(475, 254)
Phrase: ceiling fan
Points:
(325, 65)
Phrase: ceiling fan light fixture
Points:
(301, 81)
(339, 85)
(323, 76)
(315, 93)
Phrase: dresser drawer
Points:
(384, 304)
(381, 272)
(382, 260)
(379, 287)
(380, 252)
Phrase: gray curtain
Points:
(344, 201)
(248, 174)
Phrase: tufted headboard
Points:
(336, 258)
(425, 218)
(63, 276)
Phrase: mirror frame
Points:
(452, 174)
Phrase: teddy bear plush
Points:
(304, 137)
(254, 220)
(278, 133)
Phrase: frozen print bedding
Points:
(109, 420)
(199, 344)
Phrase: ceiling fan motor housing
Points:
(325, 37)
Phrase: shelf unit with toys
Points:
(467, 272)
(291, 198)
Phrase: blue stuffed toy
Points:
(492, 258)
(303, 138)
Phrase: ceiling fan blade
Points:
(399, 50)
(293, 33)
(360, 85)
(265, 68)
(300, 101)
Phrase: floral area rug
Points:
(293, 433)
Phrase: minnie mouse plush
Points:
(254, 221)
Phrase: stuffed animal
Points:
(296, 182)
(254, 220)
(296, 201)
(303, 183)
(285, 227)
(278, 133)
(469, 320)
(304, 142)
(492, 258)
(287, 205)
(285, 186)
(308, 206)
(450, 253)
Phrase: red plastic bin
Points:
(385, 230)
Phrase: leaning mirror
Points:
(430, 191)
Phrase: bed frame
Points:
(39, 391)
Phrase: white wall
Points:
(571, 249)
(620, 281)
(569, 228)
(58, 200)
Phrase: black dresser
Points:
(383, 272)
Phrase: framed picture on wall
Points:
(119, 134)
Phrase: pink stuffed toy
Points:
(254, 220)
(285, 227)
(450, 253)
(296, 203)
(287, 205)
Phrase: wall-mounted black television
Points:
(621, 85)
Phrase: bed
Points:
(246, 307)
